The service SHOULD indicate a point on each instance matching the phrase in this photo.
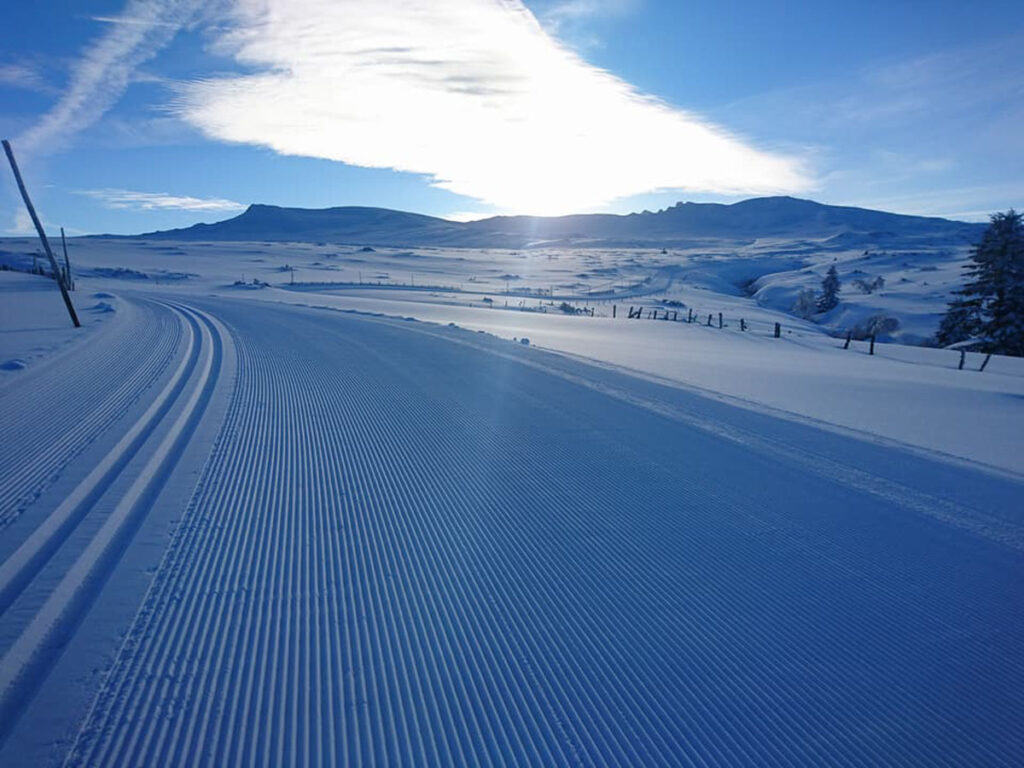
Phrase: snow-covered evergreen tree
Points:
(990, 307)
(829, 290)
(962, 321)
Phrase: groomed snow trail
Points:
(114, 496)
(407, 551)
(49, 419)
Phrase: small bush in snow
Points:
(805, 304)
(870, 286)
(876, 325)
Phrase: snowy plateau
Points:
(357, 487)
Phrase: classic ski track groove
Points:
(21, 566)
(346, 590)
(27, 661)
(105, 379)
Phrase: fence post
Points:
(67, 263)
(985, 362)
(963, 359)
(743, 324)
(849, 335)
(719, 319)
(778, 330)
(709, 320)
(613, 311)
(42, 234)
(654, 315)
(871, 351)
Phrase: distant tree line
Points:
(989, 309)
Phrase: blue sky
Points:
(136, 115)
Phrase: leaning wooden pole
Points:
(42, 234)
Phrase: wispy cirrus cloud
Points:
(573, 21)
(24, 77)
(937, 133)
(474, 94)
(133, 21)
(101, 75)
(564, 11)
(126, 199)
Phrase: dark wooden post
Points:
(709, 320)
(871, 351)
(778, 330)
(743, 324)
(613, 311)
(963, 359)
(985, 362)
(67, 263)
(719, 319)
(654, 315)
(849, 335)
(42, 234)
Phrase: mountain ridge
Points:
(684, 224)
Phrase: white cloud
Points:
(571, 21)
(133, 21)
(126, 199)
(23, 77)
(21, 224)
(575, 10)
(464, 216)
(100, 76)
(473, 94)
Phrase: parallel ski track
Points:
(27, 661)
(52, 529)
(55, 417)
(386, 563)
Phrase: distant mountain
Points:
(685, 224)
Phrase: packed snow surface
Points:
(249, 521)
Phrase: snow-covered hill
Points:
(683, 225)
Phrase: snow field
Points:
(904, 394)
(414, 544)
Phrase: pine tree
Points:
(829, 298)
(962, 321)
(990, 307)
